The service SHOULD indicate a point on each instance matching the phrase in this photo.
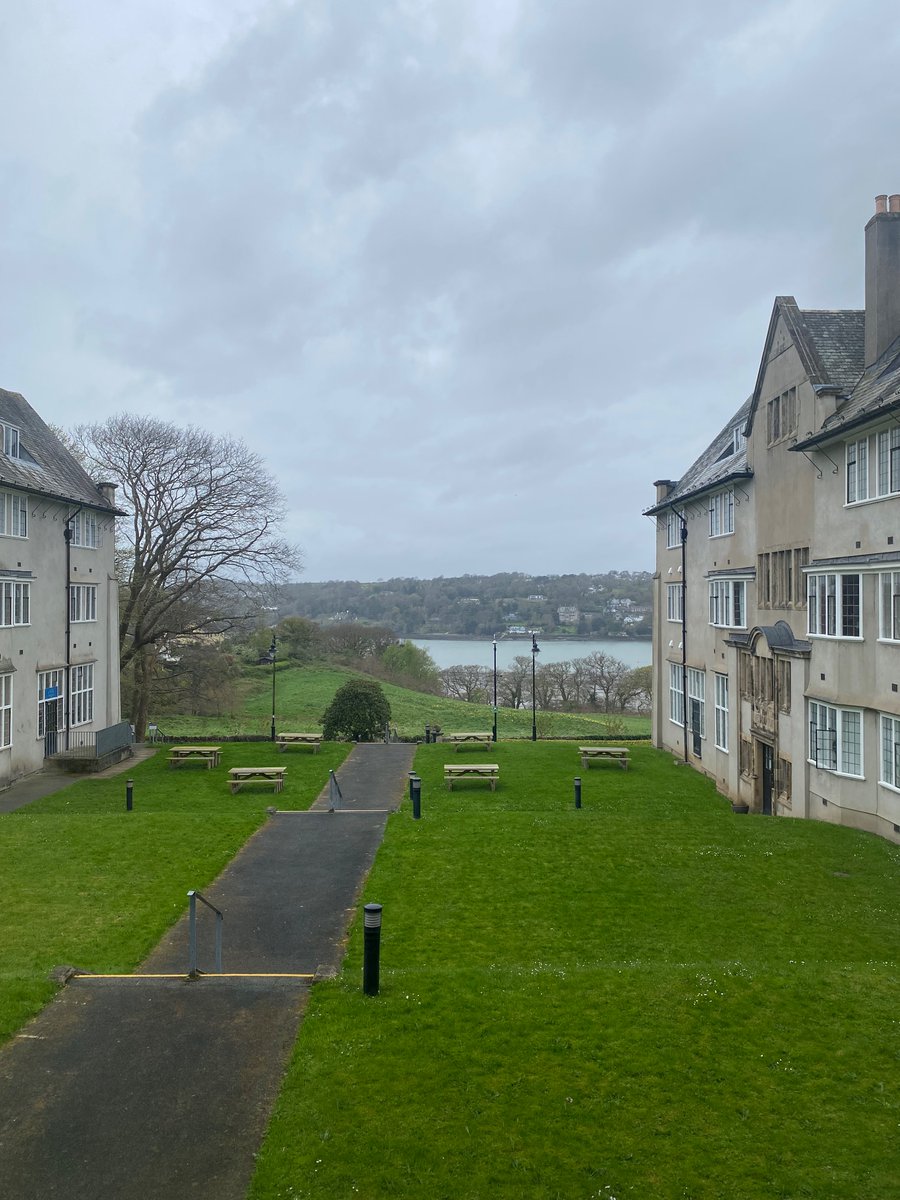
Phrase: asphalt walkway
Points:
(161, 1086)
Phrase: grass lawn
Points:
(87, 883)
(303, 693)
(649, 997)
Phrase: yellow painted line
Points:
(301, 812)
(209, 975)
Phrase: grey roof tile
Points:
(44, 465)
(838, 336)
(716, 465)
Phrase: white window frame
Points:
(728, 603)
(721, 706)
(82, 602)
(829, 611)
(11, 440)
(889, 750)
(857, 471)
(889, 606)
(81, 694)
(49, 679)
(15, 603)
(696, 690)
(721, 513)
(836, 739)
(888, 460)
(6, 711)
(85, 530)
(675, 601)
(673, 529)
(676, 693)
(13, 514)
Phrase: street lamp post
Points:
(272, 656)
(535, 651)
(494, 734)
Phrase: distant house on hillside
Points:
(568, 614)
(776, 634)
(59, 627)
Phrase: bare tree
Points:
(200, 538)
(558, 683)
(605, 673)
(511, 683)
(467, 682)
(353, 641)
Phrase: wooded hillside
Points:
(603, 605)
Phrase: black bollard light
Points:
(412, 776)
(371, 948)
(427, 735)
(129, 795)
(416, 792)
(577, 792)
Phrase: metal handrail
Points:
(194, 896)
(335, 795)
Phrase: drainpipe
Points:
(68, 534)
(684, 687)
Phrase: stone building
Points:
(776, 631)
(59, 638)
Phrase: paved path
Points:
(148, 1087)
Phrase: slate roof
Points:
(715, 467)
(877, 392)
(838, 336)
(45, 466)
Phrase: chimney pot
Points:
(894, 203)
(881, 204)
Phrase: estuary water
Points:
(451, 652)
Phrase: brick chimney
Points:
(882, 277)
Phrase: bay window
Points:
(728, 603)
(834, 605)
(835, 738)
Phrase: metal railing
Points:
(88, 743)
(335, 795)
(194, 896)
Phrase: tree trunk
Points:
(140, 705)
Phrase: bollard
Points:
(415, 786)
(129, 795)
(577, 792)
(427, 735)
(371, 948)
(412, 776)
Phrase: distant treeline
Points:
(610, 604)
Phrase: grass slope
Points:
(650, 997)
(303, 693)
(87, 883)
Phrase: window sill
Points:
(834, 771)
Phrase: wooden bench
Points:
(468, 739)
(313, 740)
(205, 754)
(238, 776)
(453, 772)
(616, 754)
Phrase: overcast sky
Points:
(469, 274)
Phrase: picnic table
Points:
(205, 754)
(314, 740)
(468, 739)
(238, 776)
(453, 772)
(617, 754)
